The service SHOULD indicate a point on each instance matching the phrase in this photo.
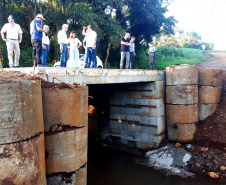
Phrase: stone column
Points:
(137, 115)
(210, 84)
(22, 158)
(182, 102)
(66, 131)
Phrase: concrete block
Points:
(115, 109)
(127, 110)
(157, 91)
(117, 116)
(152, 112)
(68, 107)
(133, 118)
(154, 121)
(209, 94)
(124, 125)
(206, 110)
(78, 177)
(115, 101)
(182, 113)
(154, 130)
(134, 94)
(183, 74)
(124, 134)
(21, 115)
(115, 124)
(181, 132)
(156, 138)
(120, 94)
(142, 137)
(182, 94)
(126, 101)
(134, 128)
(66, 151)
(210, 77)
(23, 162)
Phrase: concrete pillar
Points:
(66, 132)
(210, 82)
(182, 102)
(22, 154)
(137, 115)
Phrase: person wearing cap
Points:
(12, 30)
(62, 40)
(45, 45)
(36, 39)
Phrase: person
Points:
(74, 43)
(45, 45)
(36, 39)
(151, 52)
(62, 40)
(12, 30)
(132, 52)
(91, 39)
(125, 43)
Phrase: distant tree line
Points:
(111, 19)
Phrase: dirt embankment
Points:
(209, 145)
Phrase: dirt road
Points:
(218, 61)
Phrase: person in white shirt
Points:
(74, 43)
(12, 30)
(91, 39)
(45, 45)
(62, 40)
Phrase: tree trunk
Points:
(106, 59)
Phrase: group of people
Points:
(41, 43)
(128, 52)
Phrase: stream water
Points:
(108, 166)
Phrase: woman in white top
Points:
(74, 43)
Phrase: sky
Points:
(205, 17)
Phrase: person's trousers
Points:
(74, 57)
(131, 60)
(13, 46)
(127, 56)
(64, 56)
(45, 53)
(37, 51)
(91, 56)
(152, 62)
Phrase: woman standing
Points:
(74, 43)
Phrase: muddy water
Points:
(113, 167)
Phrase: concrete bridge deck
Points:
(94, 76)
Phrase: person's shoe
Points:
(11, 66)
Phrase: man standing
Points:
(125, 43)
(12, 30)
(91, 39)
(36, 38)
(132, 52)
(62, 40)
(151, 52)
(45, 45)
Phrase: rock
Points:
(223, 168)
(204, 149)
(213, 175)
(178, 145)
(197, 165)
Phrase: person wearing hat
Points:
(12, 30)
(36, 38)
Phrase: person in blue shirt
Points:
(36, 39)
(151, 52)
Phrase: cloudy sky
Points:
(206, 17)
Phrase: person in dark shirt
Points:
(125, 53)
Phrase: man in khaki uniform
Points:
(12, 30)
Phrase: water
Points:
(113, 167)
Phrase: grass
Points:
(172, 56)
